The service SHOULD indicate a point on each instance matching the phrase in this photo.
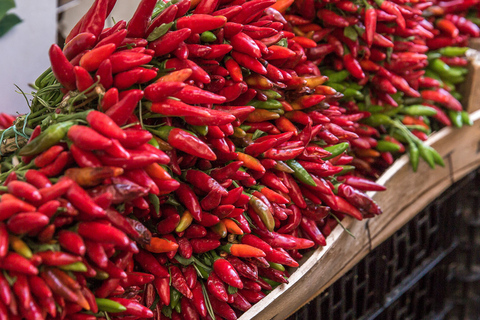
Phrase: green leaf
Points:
(159, 31)
(350, 33)
(282, 42)
(257, 134)
(8, 22)
(6, 5)
(232, 290)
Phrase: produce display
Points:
(180, 164)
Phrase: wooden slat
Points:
(407, 194)
(470, 88)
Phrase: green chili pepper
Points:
(466, 118)
(154, 143)
(426, 155)
(437, 158)
(102, 275)
(337, 86)
(201, 130)
(277, 266)
(419, 110)
(50, 137)
(346, 169)
(272, 94)
(378, 119)
(418, 127)
(167, 311)
(355, 86)
(387, 146)
(443, 69)
(76, 266)
(178, 308)
(336, 76)
(270, 104)
(335, 150)
(274, 284)
(244, 127)
(414, 155)
(109, 305)
(433, 55)
(457, 95)
(453, 51)
(300, 173)
(352, 93)
(155, 202)
(263, 212)
(456, 118)
(208, 36)
(175, 297)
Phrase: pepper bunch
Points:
(183, 159)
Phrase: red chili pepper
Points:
(24, 190)
(138, 24)
(250, 10)
(169, 42)
(54, 168)
(179, 282)
(62, 68)
(88, 138)
(125, 60)
(84, 158)
(249, 62)
(443, 97)
(166, 16)
(134, 308)
(92, 60)
(123, 109)
(15, 262)
(204, 245)
(105, 78)
(148, 263)
(48, 156)
(199, 23)
(79, 43)
(216, 287)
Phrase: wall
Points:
(24, 51)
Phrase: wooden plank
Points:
(407, 194)
(470, 88)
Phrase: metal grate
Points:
(429, 269)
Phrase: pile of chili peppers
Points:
(401, 61)
(175, 166)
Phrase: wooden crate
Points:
(470, 89)
(407, 194)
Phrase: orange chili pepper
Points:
(285, 125)
(260, 115)
(310, 27)
(315, 81)
(250, 162)
(159, 245)
(185, 221)
(232, 227)
(244, 251)
(286, 106)
(220, 229)
(156, 171)
(89, 177)
(177, 76)
(367, 153)
(305, 42)
(282, 5)
(163, 145)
